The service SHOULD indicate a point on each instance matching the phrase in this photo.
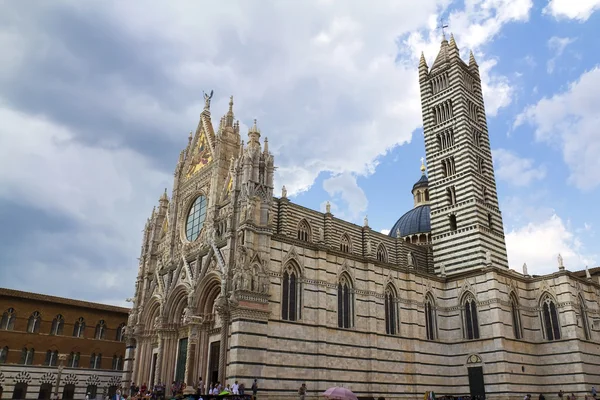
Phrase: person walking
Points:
(254, 389)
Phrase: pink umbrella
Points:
(340, 393)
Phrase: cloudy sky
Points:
(97, 99)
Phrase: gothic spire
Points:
(229, 116)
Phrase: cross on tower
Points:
(442, 27)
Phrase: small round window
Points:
(195, 219)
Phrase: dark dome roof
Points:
(423, 182)
(417, 220)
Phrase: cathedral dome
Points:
(415, 221)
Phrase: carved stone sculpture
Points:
(283, 192)
(410, 260)
(561, 264)
(525, 269)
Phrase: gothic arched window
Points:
(96, 361)
(550, 319)
(51, 358)
(120, 333)
(291, 293)
(391, 311)
(584, 318)
(73, 361)
(304, 231)
(430, 318)
(100, 330)
(27, 356)
(345, 299)
(345, 244)
(33, 325)
(516, 317)
(471, 324)
(3, 354)
(8, 320)
(381, 253)
(79, 327)
(453, 224)
(58, 324)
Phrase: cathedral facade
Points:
(236, 284)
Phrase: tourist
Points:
(254, 389)
(235, 388)
(594, 392)
(302, 391)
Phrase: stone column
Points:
(192, 345)
(223, 310)
(130, 349)
(159, 359)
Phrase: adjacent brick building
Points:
(40, 335)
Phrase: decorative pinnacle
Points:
(190, 138)
(231, 104)
(452, 42)
(164, 196)
(472, 58)
(422, 61)
(423, 167)
(254, 128)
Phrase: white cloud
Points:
(385, 231)
(108, 193)
(345, 186)
(558, 46)
(516, 170)
(570, 121)
(538, 245)
(578, 9)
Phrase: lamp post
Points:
(61, 359)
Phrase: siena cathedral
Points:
(236, 284)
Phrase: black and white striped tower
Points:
(466, 223)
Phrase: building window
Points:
(473, 111)
(442, 112)
(58, 324)
(304, 231)
(291, 293)
(451, 195)
(120, 333)
(381, 253)
(516, 317)
(550, 319)
(96, 361)
(345, 302)
(391, 311)
(79, 327)
(33, 325)
(448, 167)
(484, 194)
(476, 138)
(584, 318)
(345, 244)
(471, 324)
(51, 358)
(20, 391)
(480, 165)
(8, 320)
(100, 330)
(490, 221)
(445, 139)
(452, 220)
(430, 319)
(3, 354)
(27, 356)
(439, 83)
(195, 218)
(73, 361)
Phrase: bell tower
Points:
(466, 223)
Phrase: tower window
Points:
(480, 165)
(439, 83)
(476, 138)
(473, 111)
(452, 219)
(484, 193)
(451, 195)
(490, 221)
(442, 112)
(426, 195)
(448, 167)
(445, 139)
(469, 81)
